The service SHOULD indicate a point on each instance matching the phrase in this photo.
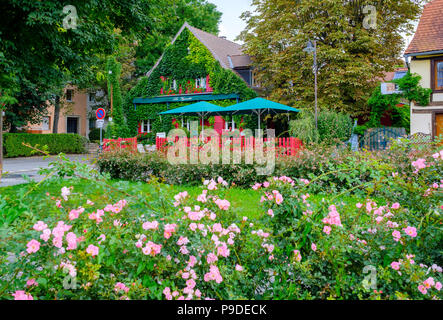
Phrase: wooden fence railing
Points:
(284, 147)
(119, 144)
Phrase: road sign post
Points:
(100, 113)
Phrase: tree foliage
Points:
(38, 55)
(380, 104)
(352, 55)
(118, 127)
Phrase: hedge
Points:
(63, 142)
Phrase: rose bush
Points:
(158, 246)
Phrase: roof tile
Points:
(429, 34)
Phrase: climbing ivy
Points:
(380, 103)
(184, 61)
(118, 127)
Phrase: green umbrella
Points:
(258, 106)
(200, 109)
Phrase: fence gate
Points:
(379, 138)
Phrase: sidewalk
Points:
(15, 168)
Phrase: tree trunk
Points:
(56, 114)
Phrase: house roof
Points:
(429, 34)
(239, 61)
(222, 49)
(394, 75)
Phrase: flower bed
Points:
(138, 246)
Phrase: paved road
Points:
(15, 168)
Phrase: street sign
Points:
(390, 88)
(100, 113)
(99, 123)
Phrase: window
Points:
(174, 85)
(200, 83)
(92, 97)
(146, 126)
(45, 123)
(438, 75)
(69, 94)
(92, 123)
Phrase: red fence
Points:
(120, 143)
(284, 147)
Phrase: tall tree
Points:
(357, 40)
(43, 44)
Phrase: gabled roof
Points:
(429, 34)
(394, 75)
(221, 48)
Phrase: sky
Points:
(231, 24)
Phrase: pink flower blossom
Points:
(150, 225)
(21, 295)
(121, 287)
(169, 230)
(396, 205)
(65, 193)
(182, 241)
(33, 246)
(314, 247)
(213, 275)
(238, 267)
(278, 198)
(40, 226)
(211, 258)
(422, 289)
(223, 204)
(92, 250)
(395, 265)
(297, 255)
(410, 231)
(31, 282)
(327, 230)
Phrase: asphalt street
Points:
(15, 168)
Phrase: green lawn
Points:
(246, 201)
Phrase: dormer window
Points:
(437, 71)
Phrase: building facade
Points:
(425, 53)
(196, 66)
(76, 114)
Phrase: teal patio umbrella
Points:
(201, 109)
(257, 106)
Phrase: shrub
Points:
(57, 143)
(133, 245)
(94, 134)
(336, 167)
(332, 126)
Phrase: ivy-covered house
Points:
(196, 66)
(425, 53)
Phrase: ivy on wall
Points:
(380, 103)
(184, 61)
(118, 127)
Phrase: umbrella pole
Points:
(259, 120)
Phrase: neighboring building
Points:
(76, 115)
(426, 53)
(184, 74)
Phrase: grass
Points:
(245, 201)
